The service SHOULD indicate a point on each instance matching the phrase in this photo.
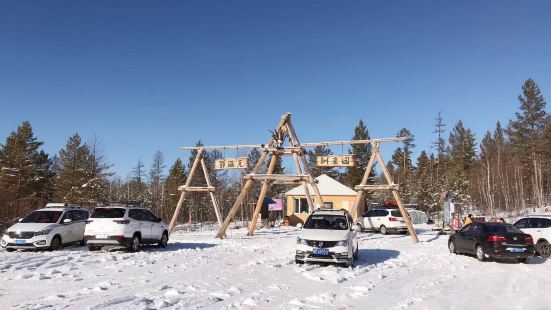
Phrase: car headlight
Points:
(42, 232)
(301, 241)
(342, 243)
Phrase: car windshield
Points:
(396, 213)
(108, 213)
(502, 228)
(49, 217)
(326, 221)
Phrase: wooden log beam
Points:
(188, 183)
(211, 192)
(276, 177)
(263, 192)
(365, 178)
(310, 144)
(196, 189)
(403, 211)
(375, 187)
(306, 170)
(349, 142)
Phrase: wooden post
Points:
(397, 197)
(249, 183)
(188, 183)
(304, 185)
(263, 192)
(360, 194)
(241, 197)
(296, 143)
(211, 193)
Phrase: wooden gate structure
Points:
(285, 132)
(199, 158)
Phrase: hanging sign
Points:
(335, 161)
(232, 163)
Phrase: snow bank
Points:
(197, 271)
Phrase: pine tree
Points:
(316, 171)
(362, 153)
(440, 145)
(26, 174)
(526, 134)
(156, 178)
(137, 190)
(424, 189)
(462, 154)
(401, 159)
(279, 189)
(72, 173)
(96, 189)
(176, 177)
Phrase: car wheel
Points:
(360, 228)
(524, 260)
(94, 248)
(164, 240)
(451, 247)
(480, 253)
(134, 245)
(82, 242)
(55, 244)
(544, 249)
(299, 262)
(10, 249)
(383, 230)
(349, 262)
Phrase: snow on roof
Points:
(327, 187)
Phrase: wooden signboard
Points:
(335, 161)
(231, 163)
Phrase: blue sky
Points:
(155, 75)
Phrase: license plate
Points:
(20, 241)
(101, 236)
(516, 250)
(320, 251)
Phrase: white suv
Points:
(130, 226)
(327, 236)
(383, 220)
(539, 226)
(48, 228)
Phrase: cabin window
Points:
(301, 205)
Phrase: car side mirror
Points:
(19, 219)
(159, 219)
(67, 221)
(299, 225)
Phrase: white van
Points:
(47, 229)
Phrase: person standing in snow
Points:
(456, 223)
(469, 219)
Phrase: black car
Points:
(493, 240)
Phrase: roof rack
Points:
(135, 204)
(61, 205)
(331, 209)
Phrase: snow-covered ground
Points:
(197, 271)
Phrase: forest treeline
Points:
(506, 170)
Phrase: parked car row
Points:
(527, 237)
(61, 224)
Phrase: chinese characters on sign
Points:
(335, 161)
(232, 163)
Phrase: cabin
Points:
(334, 194)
